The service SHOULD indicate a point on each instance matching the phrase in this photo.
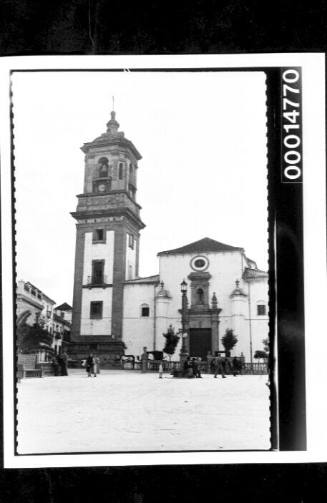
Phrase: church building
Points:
(115, 311)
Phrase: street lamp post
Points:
(183, 353)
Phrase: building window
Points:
(120, 171)
(130, 169)
(131, 241)
(97, 272)
(145, 311)
(103, 167)
(96, 309)
(99, 236)
(131, 191)
(261, 309)
(199, 263)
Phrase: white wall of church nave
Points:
(100, 326)
(260, 331)
(99, 251)
(138, 331)
(258, 295)
(225, 268)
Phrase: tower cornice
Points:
(119, 212)
(108, 139)
(92, 194)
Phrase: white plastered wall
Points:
(97, 251)
(259, 323)
(100, 326)
(138, 331)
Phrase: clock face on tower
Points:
(101, 186)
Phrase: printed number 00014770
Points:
(291, 126)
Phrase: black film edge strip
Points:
(286, 270)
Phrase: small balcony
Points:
(97, 281)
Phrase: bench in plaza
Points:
(26, 367)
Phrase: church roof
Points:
(201, 246)
(254, 274)
(148, 279)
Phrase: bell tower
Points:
(108, 228)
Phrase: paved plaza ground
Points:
(129, 411)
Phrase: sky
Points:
(203, 172)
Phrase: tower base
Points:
(109, 352)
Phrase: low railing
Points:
(205, 367)
(255, 368)
(93, 280)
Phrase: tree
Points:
(171, 341)
(265, 343)
(260, 354)
(32, 339)
(229, 340)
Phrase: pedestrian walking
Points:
(64, 364)
(160, 370)
(236, 366)
(144, 360)
(199, 368)
(227, 365)
(188, 368)
(96, 366)
(89, 364)
(55, 365)
(196, 367)
(219, 367)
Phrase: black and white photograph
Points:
(153, 280)
(147, 261)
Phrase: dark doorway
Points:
(200, 342)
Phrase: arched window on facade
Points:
(120, 171)
(145, 310)
(103, 167)
(200, 296)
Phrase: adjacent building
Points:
(114, 310)
(62, 321)
(34, 307)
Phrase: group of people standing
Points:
(60, 364)
(224, 365)
(219, 365)
(192, 367)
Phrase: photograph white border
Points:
(314, 176)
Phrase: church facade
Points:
(115, 311)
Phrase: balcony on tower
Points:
(97, 278)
